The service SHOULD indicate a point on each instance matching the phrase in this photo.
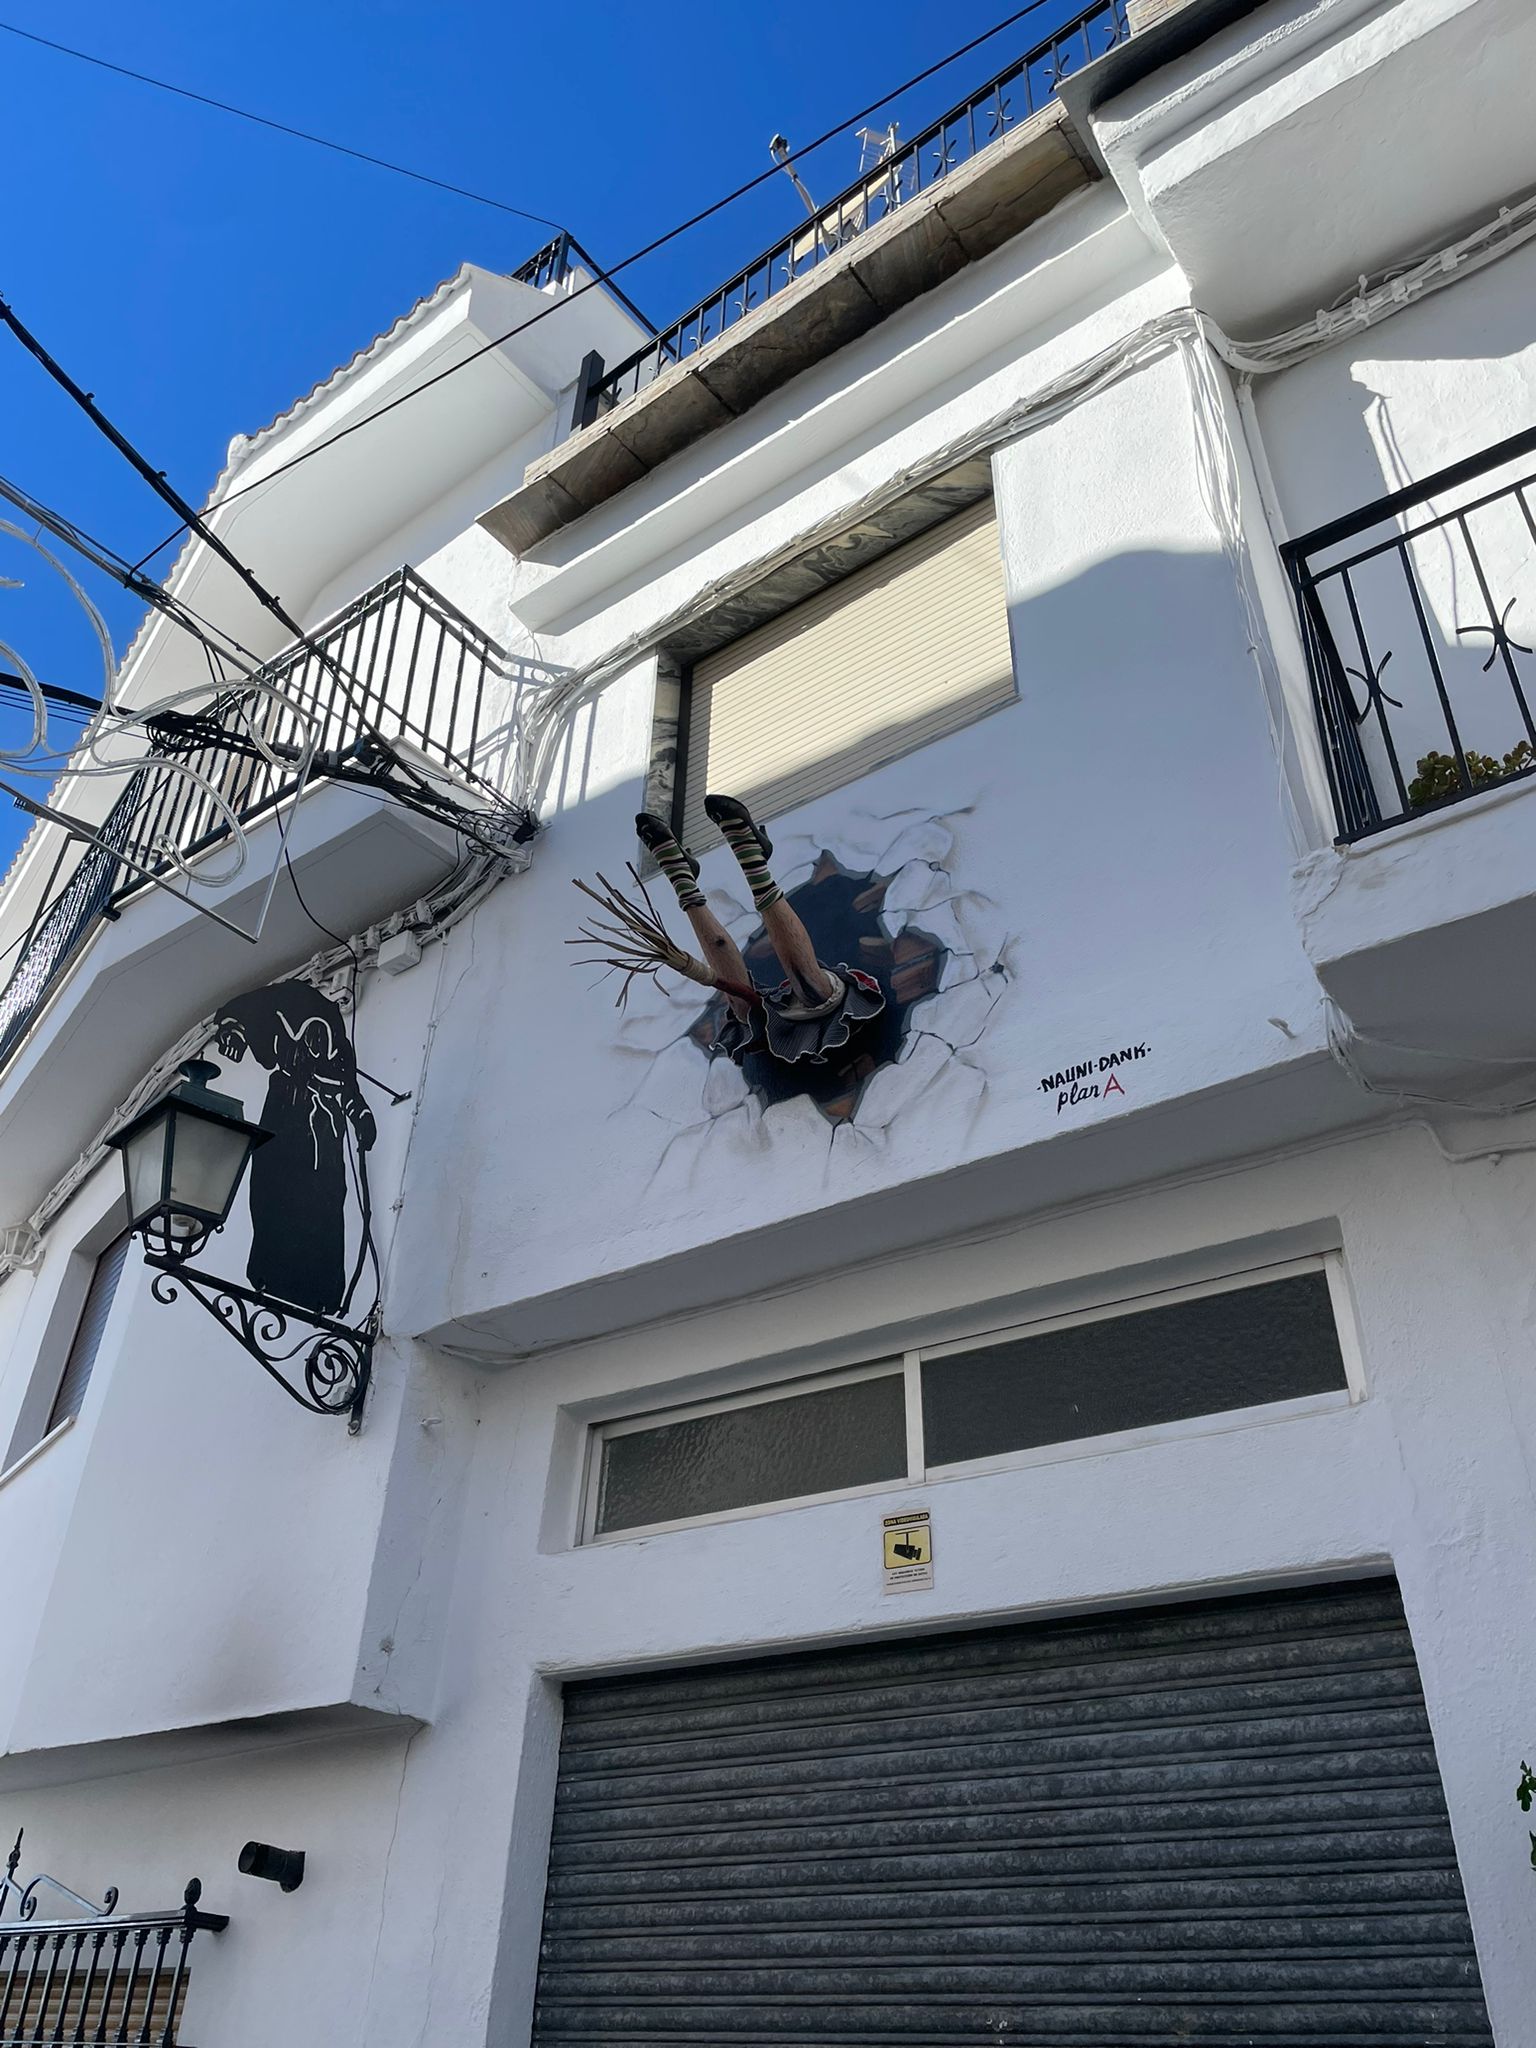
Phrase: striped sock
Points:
(673, 862)
(742, 840)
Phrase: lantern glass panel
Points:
(206, 1164)
(144, 1168)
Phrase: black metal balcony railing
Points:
(550, 267)
(99, 1980)
(412, 667)
(95, 1983)
(916, 166)
(1411, 613)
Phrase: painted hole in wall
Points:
(930, 960)
(841, 911)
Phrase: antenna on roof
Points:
(848, 217)
(778, 149)
(877, 145)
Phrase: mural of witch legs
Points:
(811, 1012)
(813, 987)
(721, 954)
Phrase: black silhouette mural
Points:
(321, 1129)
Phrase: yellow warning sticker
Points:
(908, 1552)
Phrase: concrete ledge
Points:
(1001, 191)
(25, 1770)
(1300, 1099)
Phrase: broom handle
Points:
(751, 996)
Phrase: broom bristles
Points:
(631, 940)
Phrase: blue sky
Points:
(197, 273)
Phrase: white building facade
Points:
(1127, 660)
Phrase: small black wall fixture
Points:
(183, 1160)
(282, 1867)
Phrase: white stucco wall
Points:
(217, 1577)
(423, 1893)
(1439, 381)
(1119, 836)
(199, 1550)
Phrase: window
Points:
(1242, 1349)
(708, 1460)
(86, 1342)
(909, 648)
(1251, 1344)
(69, 1348)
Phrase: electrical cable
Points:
(352, 692)
(324, 929)
(87, 762)
(98, 726)
(160, 485)
(624, 263)
(67, 702)
(203, 99)
(117, 566)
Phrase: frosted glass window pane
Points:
(852, 1435)
(1233, 1350)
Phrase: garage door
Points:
(1219, 1823)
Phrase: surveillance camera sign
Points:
(908, 1552)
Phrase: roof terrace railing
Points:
(1018, 91)
(559, 260)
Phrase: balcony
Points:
(956, 192)
(113, 969)
(1411, 614)
(1417, 617)
(400, 661)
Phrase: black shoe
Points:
(654, 832)
(729, 810)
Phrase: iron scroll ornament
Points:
(337, 1364)
(26, 1895)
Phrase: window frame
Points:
(676, 670)
(777, 1384)
(34, 1429)
(890, 1365)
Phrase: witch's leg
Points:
(787, 935)
(721, 954)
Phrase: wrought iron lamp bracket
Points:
(326, 1374)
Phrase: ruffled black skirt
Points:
(791, 1039)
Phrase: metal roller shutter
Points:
(1219, 1823)
(897, 654)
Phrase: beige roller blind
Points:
(896, 655)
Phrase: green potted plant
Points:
(1438, 775)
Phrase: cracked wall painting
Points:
(879, 894)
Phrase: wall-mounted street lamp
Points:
(183, 1161)
(184, 1158)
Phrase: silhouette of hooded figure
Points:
(313, 1104)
